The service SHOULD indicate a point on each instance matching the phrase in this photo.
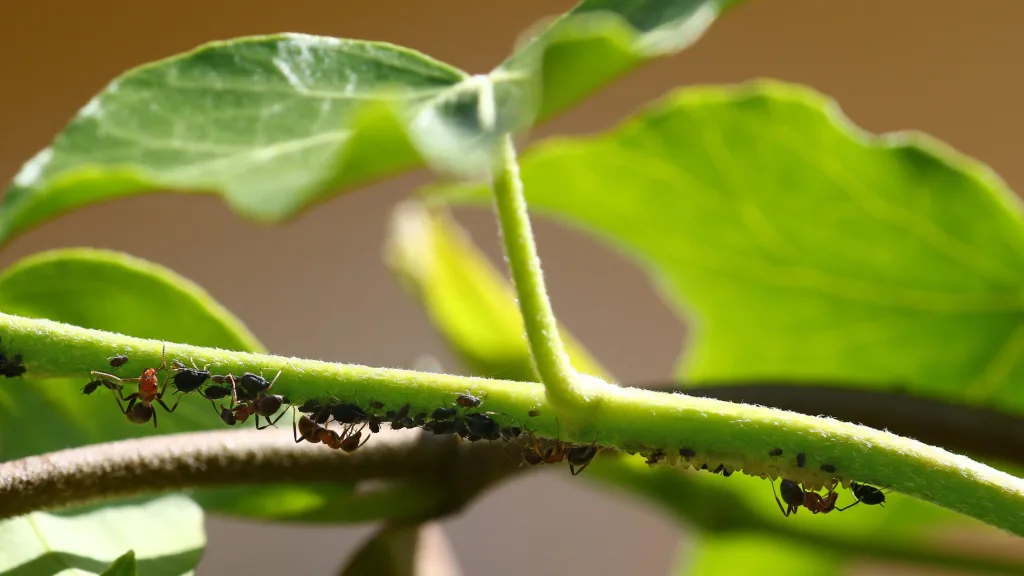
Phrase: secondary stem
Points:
(549, 355)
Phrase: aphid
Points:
(441, 414)
(775, 452)
(408, 422)
(460, 428)
(376, 405)
(468, 401)
(439, 427)
(117, 361)
(533, 413)
(867, 494)
(719, 470)
(374, 421)
(11, 367)
(801, 459)
(398, 418)
(420, 419)
(726, 472)
(92, 386)
(310, 407)
(250, 385)
(348, 413)
(828, 468)
(140, 409)
(483, 426)
(687, 453)
(189, 379)
(579, 457)
(323, 415)
(215, 392)
(655, 457)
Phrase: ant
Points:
(795, 496)
(315, 434)
(579, 457)
(140, 404)
(255, 400)
(869, 495)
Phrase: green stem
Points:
(738, 436)
(550, 358)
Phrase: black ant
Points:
(256, 400)
(140, 404)
(117, 361)
(867, 494)
(315, 434)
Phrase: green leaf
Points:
(126, 565)
(164, 537)
(468, 301)
(277, 123)
(803, 247)
(749, 554)
(118, 293)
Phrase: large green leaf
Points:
(163, 537)
(118, 293)
(432, 255)
(804, 247)
(275, 123)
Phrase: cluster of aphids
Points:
(11, 366)
(459, 419)
(793, 494)
(249, 393)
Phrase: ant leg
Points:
(234, 390)
(154, 417)
(848, 507)
(169, 410)
(785, 511)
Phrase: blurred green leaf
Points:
(753, 554)
(465, 297)
(126, 565)
(165, 537)
(802, 247)
(276, 123)
(115, 292)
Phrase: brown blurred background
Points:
(948, 67)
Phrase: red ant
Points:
(140, 404)
(795, 497)
(255, 402)
(306, 429)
